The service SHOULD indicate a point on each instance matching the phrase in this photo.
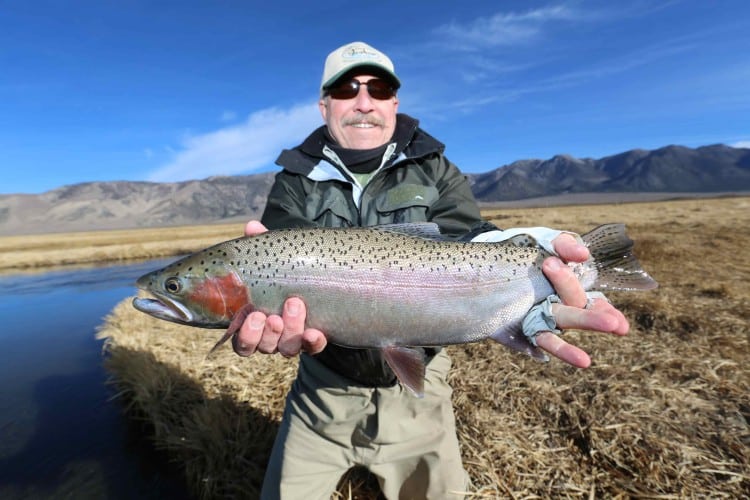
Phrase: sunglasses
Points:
(377, 88)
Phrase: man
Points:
(369, 165)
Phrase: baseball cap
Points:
(355, 55)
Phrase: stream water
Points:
(61, 434)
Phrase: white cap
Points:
(353, 55)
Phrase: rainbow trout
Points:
(387, 287)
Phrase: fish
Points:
(392, 287)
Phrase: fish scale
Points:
(384, 287)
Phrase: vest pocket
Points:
(330, 208)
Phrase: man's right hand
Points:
(285, 334)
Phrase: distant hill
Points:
(672, 169)
(123, 205)
(632, 175)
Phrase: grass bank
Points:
(18, 253)
(662, 413)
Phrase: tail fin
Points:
(617, 267)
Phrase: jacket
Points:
(415, 183)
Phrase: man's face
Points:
(361, 122)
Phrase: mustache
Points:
(363, 118)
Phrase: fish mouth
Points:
(164, 308)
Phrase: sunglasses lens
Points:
(378, 89)
(347, 90)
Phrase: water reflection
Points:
(60, 436)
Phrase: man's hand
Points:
(285, 334)
(601, 316)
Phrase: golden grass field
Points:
(29, 252)
(662, 413)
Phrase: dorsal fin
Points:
(425, 230)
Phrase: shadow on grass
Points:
(220, 445)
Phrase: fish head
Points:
(191, 292)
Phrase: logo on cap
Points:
(359, 53)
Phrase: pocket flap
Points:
(406, 195)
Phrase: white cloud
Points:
(503, 28)
(241, 148)
(741, 144)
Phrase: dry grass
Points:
(65, 249)
(662, 413)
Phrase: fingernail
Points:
(256, 323)
(292, 309)
(554, 264)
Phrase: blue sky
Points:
(168, 91)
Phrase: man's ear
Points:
(323, 107)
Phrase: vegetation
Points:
(95, 247)
(662, 413)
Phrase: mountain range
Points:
(665, 172)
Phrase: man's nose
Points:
(363, 100)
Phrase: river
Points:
(61, 434)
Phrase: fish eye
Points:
(173, 285)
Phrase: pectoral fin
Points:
(408, 365)
(234, 326)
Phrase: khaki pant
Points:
(409, 443)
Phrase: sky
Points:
(174, 90)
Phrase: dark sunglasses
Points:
(377, 88)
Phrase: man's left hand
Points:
(601, 316)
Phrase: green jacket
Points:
(415, 183)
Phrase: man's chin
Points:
(365, 138)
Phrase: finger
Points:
(565, 283)
(254, 227)
(569, 249)
(294, 315)
(269, 342)
(563, 351)
(313, 341)
(245, 342)
(600, 317)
